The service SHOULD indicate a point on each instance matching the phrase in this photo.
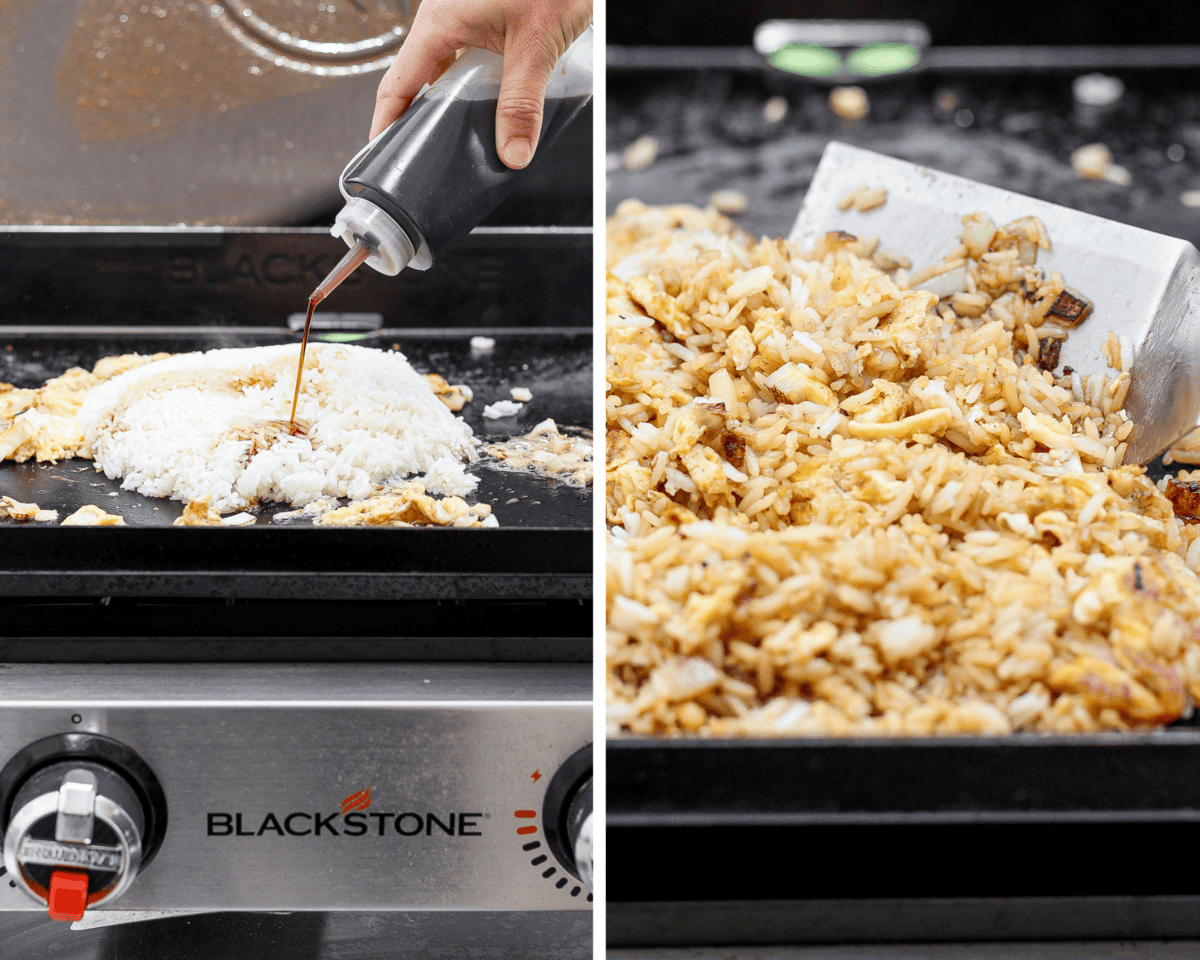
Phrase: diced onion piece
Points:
(948, 283)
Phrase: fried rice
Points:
(839, 504)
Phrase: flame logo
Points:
(357, 801)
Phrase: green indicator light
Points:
(877, 59)
(343, 337)
(807, 59)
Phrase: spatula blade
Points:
(1142, 285)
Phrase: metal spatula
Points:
(1143, 285)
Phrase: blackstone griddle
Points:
(958, 839)
(69, 296)
(429, 772)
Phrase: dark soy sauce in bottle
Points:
(436, 171)
(429, 178)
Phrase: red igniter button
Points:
(68, 895)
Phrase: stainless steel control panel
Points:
(327, 787)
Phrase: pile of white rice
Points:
(214, 425)
(841, 505)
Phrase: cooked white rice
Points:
(501, 409)
(199, 425)
(449, 478)
(838, 505)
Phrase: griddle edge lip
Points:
(1020, 777)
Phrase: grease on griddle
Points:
(547, 452)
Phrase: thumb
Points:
(519, 109)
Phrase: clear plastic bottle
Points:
(429, 178)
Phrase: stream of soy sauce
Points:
(312, 305)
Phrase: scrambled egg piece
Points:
(16, 510)
(454, 395)
(93, 516)
(406, 506)
(40, 424)
(198, 513)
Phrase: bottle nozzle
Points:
(390, 250)
(353, 259)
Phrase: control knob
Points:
(567, 815)
(84, 816)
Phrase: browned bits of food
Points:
(729, 202)
(1070, 309)
(1048, 353)
(1094, 161)
(1185, 498)
(1186, 450)
(863, 198)
(946, 101)
(775, 109)
(641, 154)
(734, 448)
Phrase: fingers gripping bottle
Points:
(429, 178)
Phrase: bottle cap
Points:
(360, 221)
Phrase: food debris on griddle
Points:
(849, 103)
(198, 513)
(93, 516)
(409, 505)
(547, 452)
(454, 395)
(313, 508)
(16, 510)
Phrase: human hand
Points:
(531, 35)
